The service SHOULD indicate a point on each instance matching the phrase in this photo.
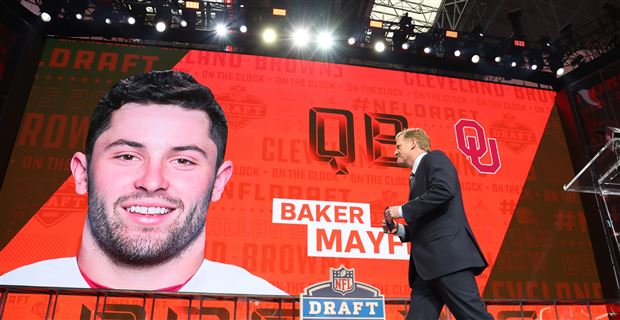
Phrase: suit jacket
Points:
(442, 241)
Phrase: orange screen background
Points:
(268, 102)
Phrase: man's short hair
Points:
(160, 87)
(419, 135)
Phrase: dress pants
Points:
(458, 291)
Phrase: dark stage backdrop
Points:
(506, 142)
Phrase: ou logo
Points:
(477, 145)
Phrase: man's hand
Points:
(394, 212)
(387, 230)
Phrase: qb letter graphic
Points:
(338, 146)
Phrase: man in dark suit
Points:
(445, 256)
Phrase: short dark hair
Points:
(160, 87)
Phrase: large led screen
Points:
(312, 148)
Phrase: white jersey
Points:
(212, 277)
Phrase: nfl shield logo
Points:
(343, 279)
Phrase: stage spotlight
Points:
(492, 51)
(76, 8)
(325, 40)
(422, 41)
(399, 37)
(556, 63)
(535, 59)
(103, 12)
(475, 58)
(351, 41)
(379, 46)
(46, 17)
(159, 26)
(516, 56)
(137, 15)
(163, 18)
(301, 37)
(189, 17)
(377, 36)
(269, 35)
(452, 47)
(220, 30)
(243, 29)
(405, 46)
(49, 9)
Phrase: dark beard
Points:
(143, 251)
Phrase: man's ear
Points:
(414, 143)
(79, 170)
(224, 172)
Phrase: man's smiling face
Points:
(150, 181)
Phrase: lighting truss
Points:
(589, 41)
(581, 45)
(206, 13)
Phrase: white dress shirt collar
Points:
(417, 161)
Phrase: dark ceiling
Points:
(539, 17)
